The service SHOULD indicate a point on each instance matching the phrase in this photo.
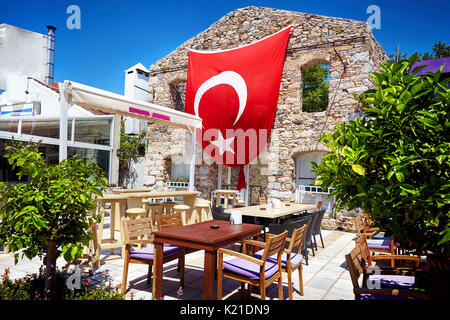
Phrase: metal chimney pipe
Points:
(50, 55)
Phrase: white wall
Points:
(48, 98)
(22, 53)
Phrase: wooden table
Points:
(201, 237)
(271, 213)
(134, 199)
(118, 207)
(226, 194)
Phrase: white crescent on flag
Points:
(230, 78)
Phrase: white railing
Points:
(177, 185)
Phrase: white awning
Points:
(110, 102)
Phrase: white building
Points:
(29, 105)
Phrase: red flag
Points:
(235, 92)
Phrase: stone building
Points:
(347, 46)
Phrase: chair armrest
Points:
(222, 251)
(138, 241)
(396, 257)
(255, 243)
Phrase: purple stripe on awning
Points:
(160, 116)
(139, 111)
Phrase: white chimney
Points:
(136, 87)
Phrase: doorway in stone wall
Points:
(304, 177)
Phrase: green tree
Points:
(440, 50)
(315, 88)
(50, 215)
(395, 162)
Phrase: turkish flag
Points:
(235, 92)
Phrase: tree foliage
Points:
(315, 88)
(439, 50)
(50, 215)
(394, 163)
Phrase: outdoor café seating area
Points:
(176, 245)
(177, 234)
(154, 228)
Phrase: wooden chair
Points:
(154, 209)
(253, 271)
(390, 287)
(139, 228)
(262, 200)
(380, 245)
(318, 205)
(291, 259)
(169, 221)
(183, 209)
(361, 242)
(174, 220)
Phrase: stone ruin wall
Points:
(314, 39)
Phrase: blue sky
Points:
(116, 34)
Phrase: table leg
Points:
(209, 274)
(189, 201)
(225, 201)
(158, 271)
(112, 227)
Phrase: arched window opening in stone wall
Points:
(315, 88)
(178, 92)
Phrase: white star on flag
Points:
(223, 144)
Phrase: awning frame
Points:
(71, 92)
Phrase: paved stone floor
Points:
(324, 278)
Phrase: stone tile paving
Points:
(324, 278)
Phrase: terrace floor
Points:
(324, 278)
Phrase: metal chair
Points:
(316, 230)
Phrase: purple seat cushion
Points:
(394, 281)
(367, 296)
(146, 253)
(379, 243)
(296, 258)
(249, 269)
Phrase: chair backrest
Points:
(359, 225)
(289, 225)
(367, 222)
(318, 222)
(274, 245)
(318, 205)
(297, 238)
(355, 264)
(361, 243)
(262, 200)
(136, 227)
(309, 229)
(169, 221)
(219, 214)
